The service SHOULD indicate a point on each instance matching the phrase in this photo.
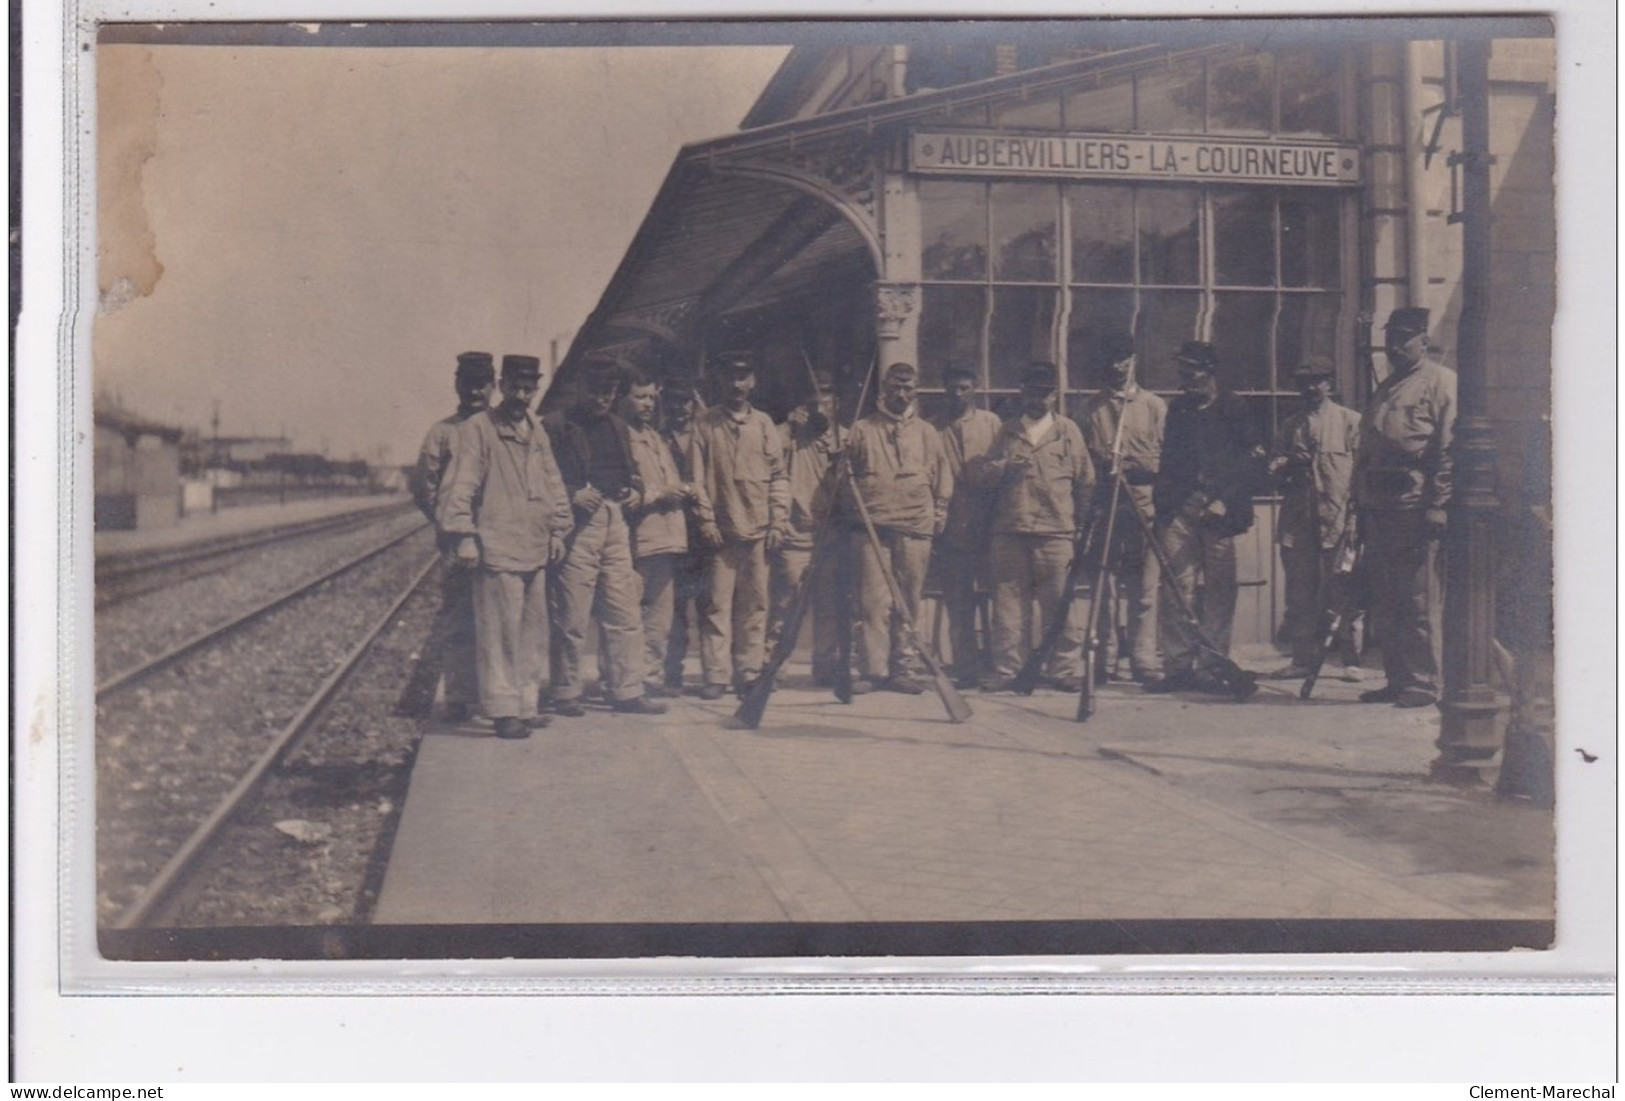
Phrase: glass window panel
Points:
(1102, 233)
(1108, 110)
(1244, 238)
(953, 227)
(1096, 316)
(1309, 239)
(1307, 327)
(1170, 102)
(1167, 319)
(1242, 96)
(1243, 328)
(1311, 83)
(1168, 236)
(1022, 330)
(1039, 114)
(1024, 231)
(950, 331)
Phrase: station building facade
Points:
(989, 205)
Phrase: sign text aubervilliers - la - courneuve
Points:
(1135, 158)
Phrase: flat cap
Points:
(1039, 375)
(1117, 347)
(1198, 355)
(1313, 369)
(960, 371)
(902, 372)
(1409, 320)
(514, 366)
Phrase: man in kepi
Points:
(1204, 499)
(743, 502)
(505, 504)
(597, 577)
(1402, 488)
(1135, 451)
(809, 447)
(1314, 456)
(961, 550)
(900, 471)
(1042, 480)
(449, 649)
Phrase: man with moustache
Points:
(743, 503)
(967, 433)
(1042, 480)
(1135, 452)
(678, 402)
(1403, 482)
(597, 577)
(659, 525)
(1204, 498)
(901, 472)
(1314, 456)
(808, 434)
(449, 649)
(504, 509)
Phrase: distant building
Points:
(137, 472)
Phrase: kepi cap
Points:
(1313, 369)
(1116, 348)
(516, 366)
(475, 367)
(1039, 375)
(1408, 320)
(1197, 355)
(734, 363)
(902, 372)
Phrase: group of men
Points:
(633, 502)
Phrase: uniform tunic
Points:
(1318, 447)
(807, 461)
(659, 541)
(504, 488)
(962, 548)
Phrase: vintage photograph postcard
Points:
(813, 490)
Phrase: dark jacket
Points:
(1212, 454)
(573, 450)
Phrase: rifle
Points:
(1241, 683)
(1333, 620)
(1091, 636)
(754, 705)
(1026, 678)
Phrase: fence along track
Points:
(126, 677)
(165, 885)
(122, 577)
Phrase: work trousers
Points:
(1199, 557)
(659, 607)
(960, 569)
(1130, 617)
(882, 650)
(1312, 590)
(788, 566)
(1027, 568)
(733, 614)
(688, 594)
(510, 629)
(596, 580)
(1402, 565)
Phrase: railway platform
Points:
(1161, 807)
(230, 522)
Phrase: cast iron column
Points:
(1467, 739)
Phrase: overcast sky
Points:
(311, 235)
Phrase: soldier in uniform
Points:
(597, 578)
(1042, 480)
(1402, 487)
(677, 409)
(1134, 572)
(967, 433)
(1314, 454)
(900, 469)
(449, 649)
(809, 446)
(659, 526)
(505, 505)
(1204, 499)
(742, 500)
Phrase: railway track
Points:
(121, 577)
(164, 895)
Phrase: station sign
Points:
(1134, 157)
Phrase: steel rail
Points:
(184, 861)
(118, 576)
(128, 676)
